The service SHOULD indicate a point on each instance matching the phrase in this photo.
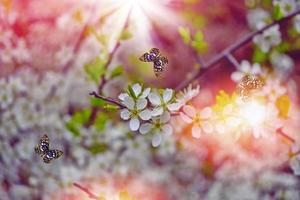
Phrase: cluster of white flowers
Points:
(148, 111)
(269, 38)
(287, 6)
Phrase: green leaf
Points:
(117, 71)
(198, 36)
(100, 121)
(95, 69)
(111, 107)
(98, 148)
(125, 35)
(259, 56)
(72, 127)
(78, 120)
(97, 102)
(131, 92)
(277, 13)
(185, 35)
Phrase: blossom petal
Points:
(156, 140)
(141, 103)
(125, 114)
(122, 96)
(167, 95)
(157, 111)
(207, 127)
(237, 76)
(185, 118)
(167, 129)
(137, 89)
(134, 124)
(145, 114)
(206, 113)
(145, 93)
(145, 128)
(196, 131)
(220, 128)
(154, 98)
(245, 66)
(174, 106)
(295, 165)
(165, 117)
(189, 111)
(129, 102)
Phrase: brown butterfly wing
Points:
(43, 145)
(154, 51)
(144, 57)
(52, 154)
(159, 65)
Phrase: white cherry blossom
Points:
(286, 6)
(162, 102)
(200, 120)
(135, 110)
(269, 38)
(247, 68)
(159, 126)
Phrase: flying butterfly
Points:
(43, 149)
(247, 85)
(158, 60)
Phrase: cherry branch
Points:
(231, 49)
(87, 191)
(103, 80)
(107, 99)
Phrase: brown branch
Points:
(87, 191)
(110, 100)
(285, 136)
(103, 80)
(232, 48)
(232, 60)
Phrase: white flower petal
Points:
(245, 66)
(167, 95)
(196, 131)
(167, 129)
(156, 140)
(154, 98)
(122, 96)
(141, 103)
(220, 128)
(145, 93)
(207, 127)
(174, 106)
(145, 128)
(189, 111)
(295, 165)
(125, 114)
(185, 118)
(256, 69)
(237, 76)
(145, 114)
(206, 113)
(137, 89)
(157, 111)
(134, 124)
(129, 102)
(165, 117)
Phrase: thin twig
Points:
(285, 136)
(103, 80)
(110, 100)
(232, 48)
(79, 41)
(87, 191)
(232, 60)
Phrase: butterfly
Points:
(158, 60)
(247, 85)
(44, 151)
